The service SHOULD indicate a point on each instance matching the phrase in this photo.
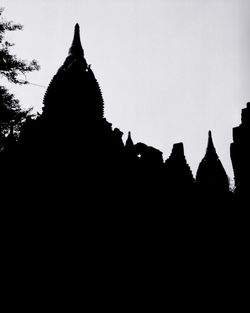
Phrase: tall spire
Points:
(76, 47)
(210, 152)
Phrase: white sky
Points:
(169, 70)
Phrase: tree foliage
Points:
(11, 67)
(11, 114)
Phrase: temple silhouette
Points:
(211, 174)
(70, 151)
(240, 154)
(86, 210)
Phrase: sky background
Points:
(169, 70)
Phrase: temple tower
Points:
(177, 171)
(211, 176)
(74, 96)
(240, 153)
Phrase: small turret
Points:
(129, 142)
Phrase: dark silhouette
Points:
(178, 176)
(12, 115)
(211, 176)
(240, 154)
(71, 145)
(86, 202)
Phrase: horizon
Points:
(174, 91)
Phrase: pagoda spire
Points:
(211, 176)
(129, 141)
(76, 46)
(74, 82)
(210, 152)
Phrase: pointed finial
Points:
(129, 141)
(76, 47)
(210, 139)
(210, 146)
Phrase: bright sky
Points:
(169, 70)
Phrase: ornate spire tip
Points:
(76, 47)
